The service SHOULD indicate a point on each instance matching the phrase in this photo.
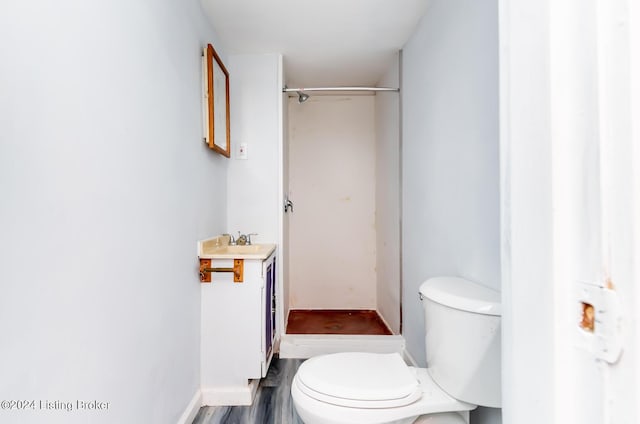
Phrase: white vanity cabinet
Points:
(237, 329)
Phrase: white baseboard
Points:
(308, 345)
(408, 358)
(192, 409)
(227, 396)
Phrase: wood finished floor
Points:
(336, 321)
(272, 404)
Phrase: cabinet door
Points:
(273, 300)
(269, 309)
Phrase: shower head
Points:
(302, 97)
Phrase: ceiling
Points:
(324, 42)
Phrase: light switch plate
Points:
(242, 151)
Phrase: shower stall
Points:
(341, 249)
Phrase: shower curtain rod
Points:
(293, 90)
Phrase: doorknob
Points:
(288, 206)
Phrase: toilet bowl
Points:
(370, 388)
(462, 335)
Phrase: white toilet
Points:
(462, 323)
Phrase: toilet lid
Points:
(462, 294)
(365, 380)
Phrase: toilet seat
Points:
(359, 380)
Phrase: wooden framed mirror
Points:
(216, 103)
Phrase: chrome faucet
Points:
(232, 241)
(245, 239)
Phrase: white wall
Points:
(331, 180)
(387, 183)
(450, 153)
(105, 187)
(450, 160)
(254, 184)
(253, 188)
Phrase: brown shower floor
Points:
(335, 321)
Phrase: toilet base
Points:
(437, 408)
(444, 418)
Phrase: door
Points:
(570, 200)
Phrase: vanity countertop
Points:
(218, 248)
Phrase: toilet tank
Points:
(462, 324)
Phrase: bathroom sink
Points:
(242, 250)
(214, 249)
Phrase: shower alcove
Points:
(341, 241)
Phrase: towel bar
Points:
(206, 270)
